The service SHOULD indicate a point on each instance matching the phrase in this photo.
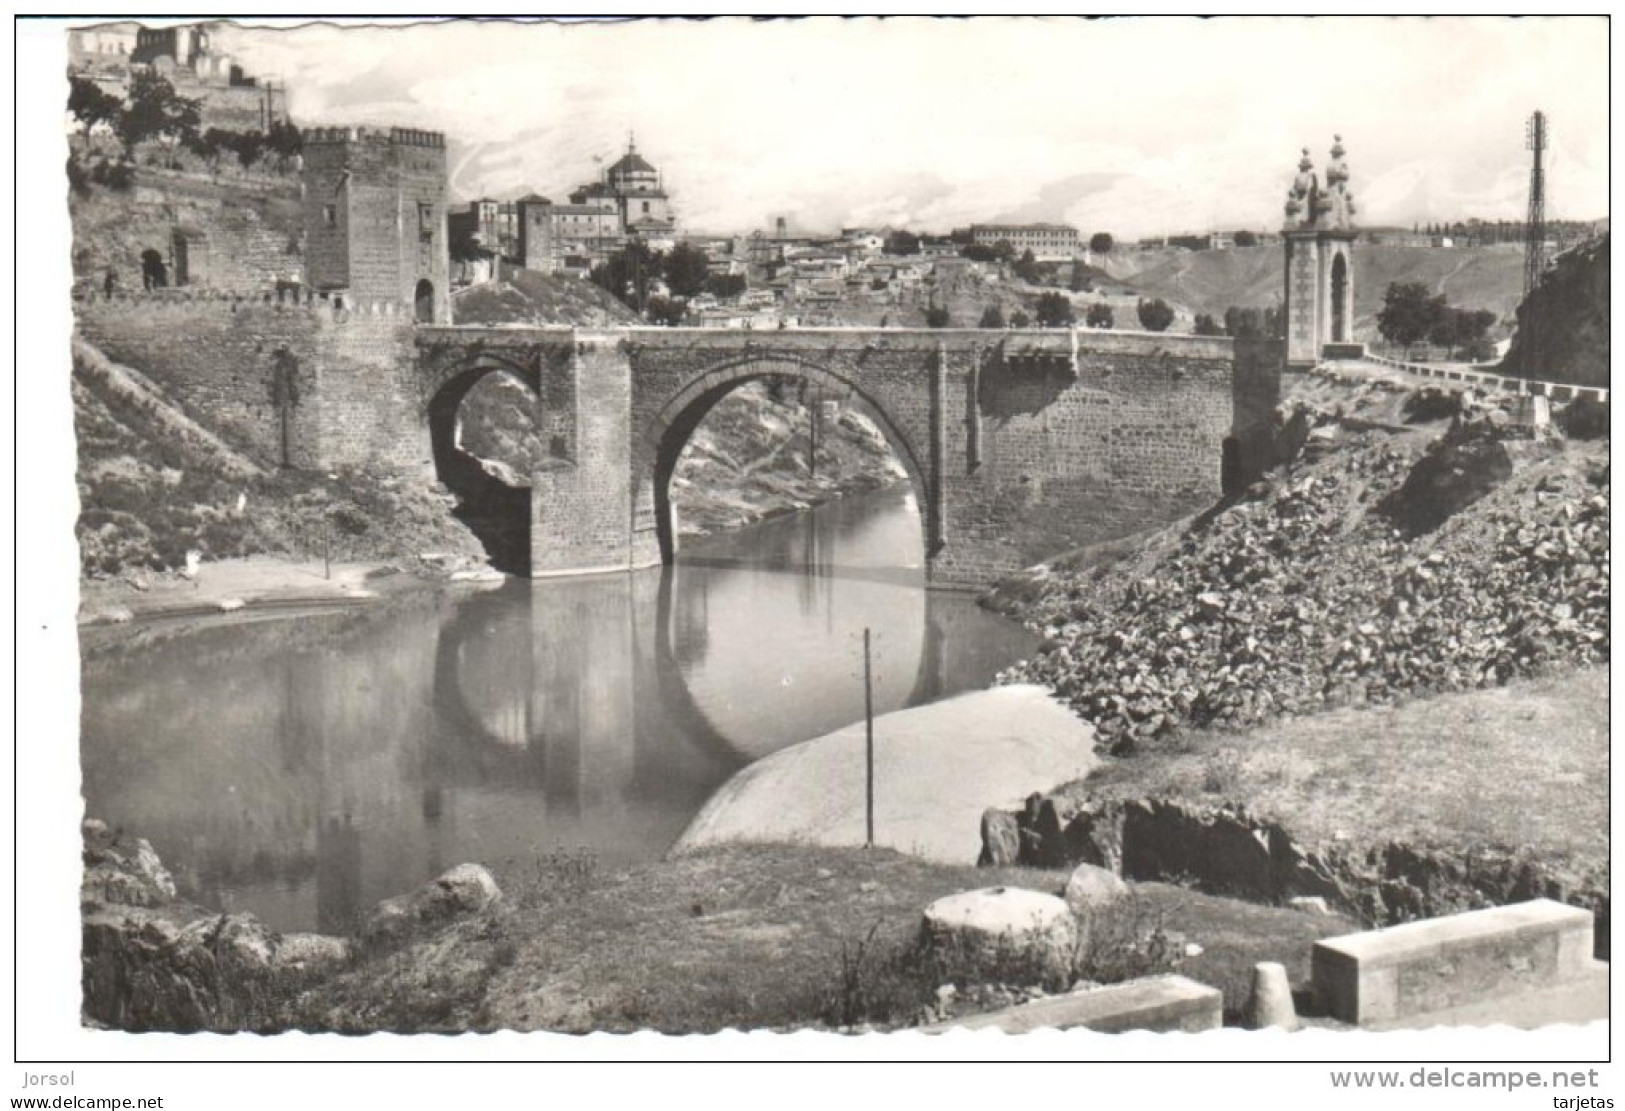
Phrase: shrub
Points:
(885, 984)
(1223, 772)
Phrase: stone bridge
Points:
(1019, 444)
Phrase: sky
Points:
(1135, 126)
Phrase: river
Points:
(302, 769)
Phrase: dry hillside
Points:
(1212, 281)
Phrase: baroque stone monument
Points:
(1319, 237)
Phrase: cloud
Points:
(1135, 126)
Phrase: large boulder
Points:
(1089, 889)
(464, 890)
(1001, 934)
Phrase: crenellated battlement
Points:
(394, 136)
(328, 305)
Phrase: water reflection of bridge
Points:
(305, 770)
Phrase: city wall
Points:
(354, 370)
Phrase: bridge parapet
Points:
(1469, 375)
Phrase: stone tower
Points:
(375, 217)
(1319, 236)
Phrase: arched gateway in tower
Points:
(1319, 235)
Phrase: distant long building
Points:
(1047, 242)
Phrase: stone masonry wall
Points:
(1135, 439)
(358, 400)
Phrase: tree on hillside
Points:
(1207, 326)
(1246, 239)
(726, 286)
(1053, 310)
(667, 311)
(1460, 328)
(90, 105)
(1253, 323)
(1027, 269)
(1101, 243)
(1409, 313)
(1019, 319)
(902, 242)
(1155, 316)
(979, 252)
(686, 269)
(992, 317)
(937, 317)
(627, 274)
(284, 139)
(1079, 282)
(464, 244)
(1098, 315)
(156, 111)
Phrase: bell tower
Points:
(1319, 237)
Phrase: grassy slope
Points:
(1334, 773)
(747, 936)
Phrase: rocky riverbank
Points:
(1383, 564)
(151, 961)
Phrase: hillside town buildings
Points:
(228, 97)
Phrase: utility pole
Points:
(868, 747)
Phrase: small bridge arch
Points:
(499, 514)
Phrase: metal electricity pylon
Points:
(1534, 230)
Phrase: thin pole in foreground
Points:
(868, 746)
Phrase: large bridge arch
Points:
(662, 440)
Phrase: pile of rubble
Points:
(1319, 588)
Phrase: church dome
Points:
(631, 163)
(632, 166)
